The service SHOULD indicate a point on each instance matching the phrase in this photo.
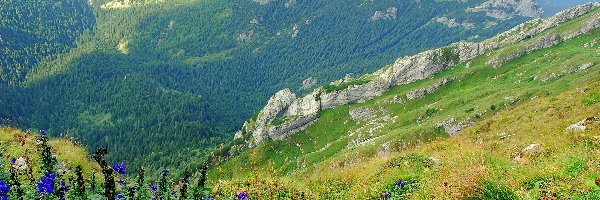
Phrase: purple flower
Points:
(153, 188)
(4, 188)
(119, 168)
(13, 160)
(43, 132)
(400, 183)
(119, 196)
(242, 195)
(208, 198)
(386, 195)
(46, 184)
(121, 182)
(63, 188)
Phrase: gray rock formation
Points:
(310, 81)
(424, 91)
(506, 9)
(453, 23)
(301, 112)
(390, 13)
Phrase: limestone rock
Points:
(390, 13)
(300, 113)
(506, 9)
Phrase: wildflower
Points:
(153, 188)
(386, 195)
(13, 160)
(63, 188)
(43, 132)
(120, 196)
(208, 198)
(165, 171)
(400, 183)
(119, 168)
(121, 182)
(242, 195)
(4, 188)
(46, 185)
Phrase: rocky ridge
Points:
(299, 113)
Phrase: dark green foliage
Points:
(33, 29)
(48, 160)
(79, 183)
(109, 179)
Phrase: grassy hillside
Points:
(514, 144)
(168, 80)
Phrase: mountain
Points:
(168, 81)
(514, 116)
(34, 31)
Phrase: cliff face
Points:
(285, 114)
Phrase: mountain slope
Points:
(179, 71)
(34, 31)
(491, 125)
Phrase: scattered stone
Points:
(503, 135)
(530, 148)
(360, 113)
(390, 13)
(435, 160)
(507, 9)
(263, 2)
(396, 99)
(453, 23)
(452, 128)
(290, 3)
(246, 36)
(580, 126)
(310, 81)
(415, 94)
(598, 181)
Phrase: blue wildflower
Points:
(121, 182)
(63, 188)
(154, 188)
(43, 132)
(13, 160)
(208, 198)
(400, 183)
(4, 188)
(119, 168)
(120, 196)
(165, 171)
(242, 195)
(386, 195)
(46, 184)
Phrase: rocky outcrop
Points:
(506, 9)
(310, 81)
(390, 13)
(424, 91)
(581, 125)
(452, 127)
(299, 113)
(453, 23)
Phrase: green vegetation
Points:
(169, 80)
(281, 120)
(344, 85)
(33, 31)
(515, 147)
